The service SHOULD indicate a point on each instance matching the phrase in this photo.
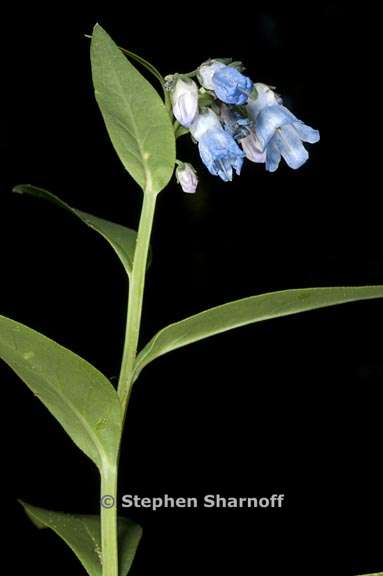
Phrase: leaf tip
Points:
(28, 509)
(20, 188)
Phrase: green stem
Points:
(109, 476)
(136, 293)
(109, 533)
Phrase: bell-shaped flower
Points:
(279, 133)
(187, 177)
(184, 96)
(231, 86)
(218, 150)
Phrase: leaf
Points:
(149, 67)
(246, 311)
(82, 534)
(374, 574)
(135, 116)
(75, 392)
(122, 239)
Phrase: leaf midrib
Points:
(128, 106)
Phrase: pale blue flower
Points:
(218, 150)
(220, 154)
(231, 86)
(279, 133)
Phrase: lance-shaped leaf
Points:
(246, 311)
(136, 118)
(374, 574)
(83, 535)
(75, 392)
(122, 239)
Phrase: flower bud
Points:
(187, 177)
(185, 101)
(206, 72)
(231, 86)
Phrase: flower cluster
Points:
(231, 118)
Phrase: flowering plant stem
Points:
(109, 534)
(136, 293)
(133, 322)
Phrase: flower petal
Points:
(205, 121)
(220, 153)
(291, 147)
(265, 97)
(273, 156)
(251, 148)
(306, 133)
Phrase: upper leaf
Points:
(82, 534)
(122, 239)
(246, 311)
(135, 116)
(75, 392)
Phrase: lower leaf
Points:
(82, 533)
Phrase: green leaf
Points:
(75, 392)
(246, 311)
(374, 574)
(149, 67)
(122, 239)
(135, 116)
(82, 534)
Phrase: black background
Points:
(288, 406)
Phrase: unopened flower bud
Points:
(185, 101)
(187, 177)
(206, 72)
(231, 86)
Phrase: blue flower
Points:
(279, 133)
(218, 150)
(231, 86)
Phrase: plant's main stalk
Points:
(136, 294)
